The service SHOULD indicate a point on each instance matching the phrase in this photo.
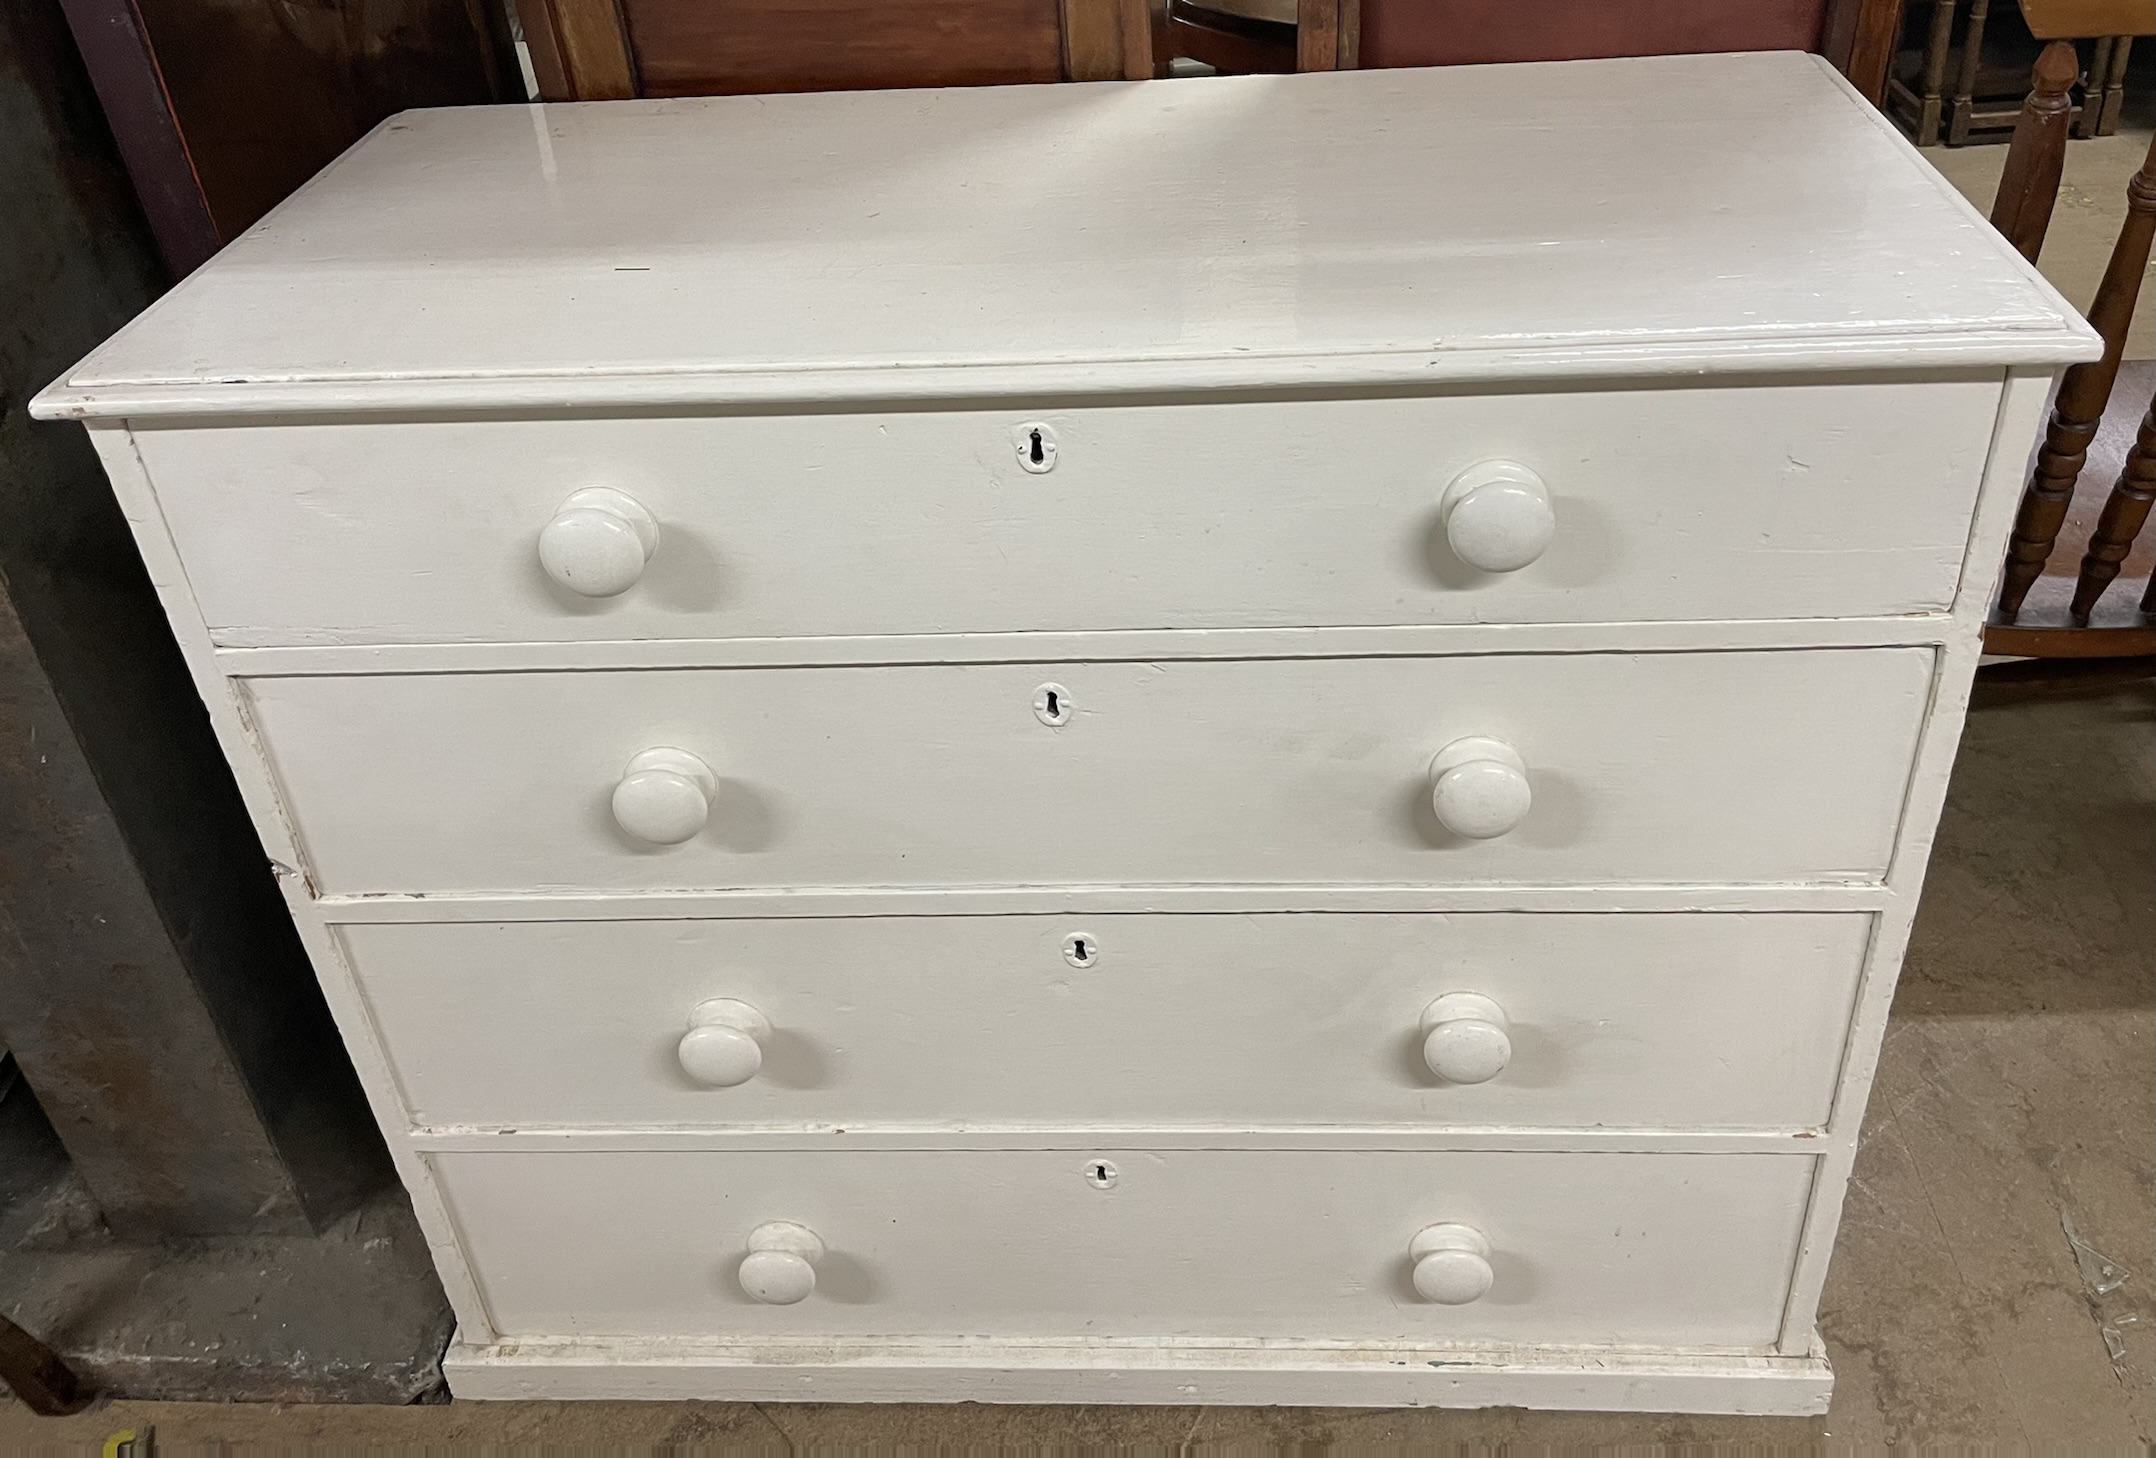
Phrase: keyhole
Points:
(1081, 949)
(1035, 445)
(1052, 705)
(1100, 1174)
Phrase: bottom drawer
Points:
(1664, 1250)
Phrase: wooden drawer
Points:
(1707, 503)
(1722, 767)
(1621, 1021)
(1679, 1250)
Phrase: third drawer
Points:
(1640, 1020)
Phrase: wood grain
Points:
(594, 45)
(1875, 25)
(2029, 186)
(2126, 510)
(1107, 40)
(718, 47)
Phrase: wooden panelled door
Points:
(607, 50)
(1856, 35)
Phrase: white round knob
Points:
(724, 1045)
(1497, 516)
(599, 541)
(1478, 787)
(664, 796)
(1466, 1038)
(780, 1267)
(1452, 1264)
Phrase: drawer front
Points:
(1620, 1021)
(1794, 501)
(1690, 1250)
(1723, 767)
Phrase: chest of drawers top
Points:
(1374, 229)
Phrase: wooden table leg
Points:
(2092, 90)
(2125, 512)
(1935, 51)
(2107, 123)
(35, 1373)
(1963, 109)
(2082, 397)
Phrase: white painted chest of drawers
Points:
(1261, 740)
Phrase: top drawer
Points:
(1784, 501)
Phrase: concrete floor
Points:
(2013, 1096)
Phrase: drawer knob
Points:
(1452, 1264)
(780, 1267)
(664, 796)
(724, 1045)
(1497, 516)
(599, 541)
(1466, 1038)
(1478, 787)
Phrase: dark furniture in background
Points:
(151, 985)
(2041, 613)
(1856, 35)
(602, 50)
(1971, 88)
(214, 1153)
(222, 109)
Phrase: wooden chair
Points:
(1234, 37)
(1857, 35)
(606, 50)
(2022, 212)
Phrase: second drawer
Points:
(1685, 767)
(1634, 1020)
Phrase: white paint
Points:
(1716, 500)
(1758, 373)
(1640, 1250)
(780, 1268)
(598, 542)
(1913, 630)
(1160, 1371)
(1651, 767)
(1479, 787)
(724, 1046)
(1497, 516)
(840, 244)
(1452, 1264)
(1467, 1038)
(1268, 1021)
(664, 796)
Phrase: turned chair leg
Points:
(2083, 393)
(2029, 187)
(35, 1373)
(2125, 512)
